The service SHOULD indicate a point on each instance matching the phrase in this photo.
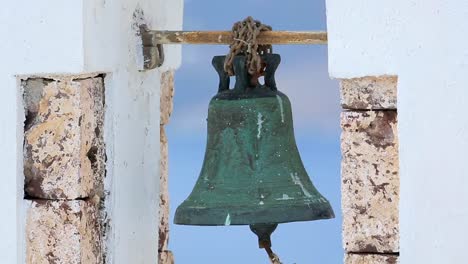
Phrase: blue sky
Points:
(303, 76)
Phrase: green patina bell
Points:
(252, 173)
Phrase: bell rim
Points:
(221, 216)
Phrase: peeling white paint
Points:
(228, 220)
(297, 181)
(280, 102)
(259, 124)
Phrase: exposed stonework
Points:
(369, 93)
(166, 257)
(167, 93)
(63, 147)
(63, 232)
(164, 194)
(370, 259)
(370, 181)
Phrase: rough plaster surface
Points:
(166, 257)
(163, 194)
(370, 259)
(63, 148)
(167, 93)
(369, 93)
(370, 181)
(63, 232)
(112, 44)
(166, 106)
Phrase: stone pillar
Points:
(167, 93)
(370, 170)
(64, 167)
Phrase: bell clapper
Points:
(264, 231)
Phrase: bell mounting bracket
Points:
(153, 40)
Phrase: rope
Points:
(244, 34)
(273, 257)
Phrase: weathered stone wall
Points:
(370, 259)
(167, 93)
(63, 144)
(64, 167)
(63, 231)
(370, 170)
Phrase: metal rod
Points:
(152, 38)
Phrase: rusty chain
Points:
(244, 42)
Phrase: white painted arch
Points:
(425, 43)
(50, 37)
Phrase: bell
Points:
(252, 173)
